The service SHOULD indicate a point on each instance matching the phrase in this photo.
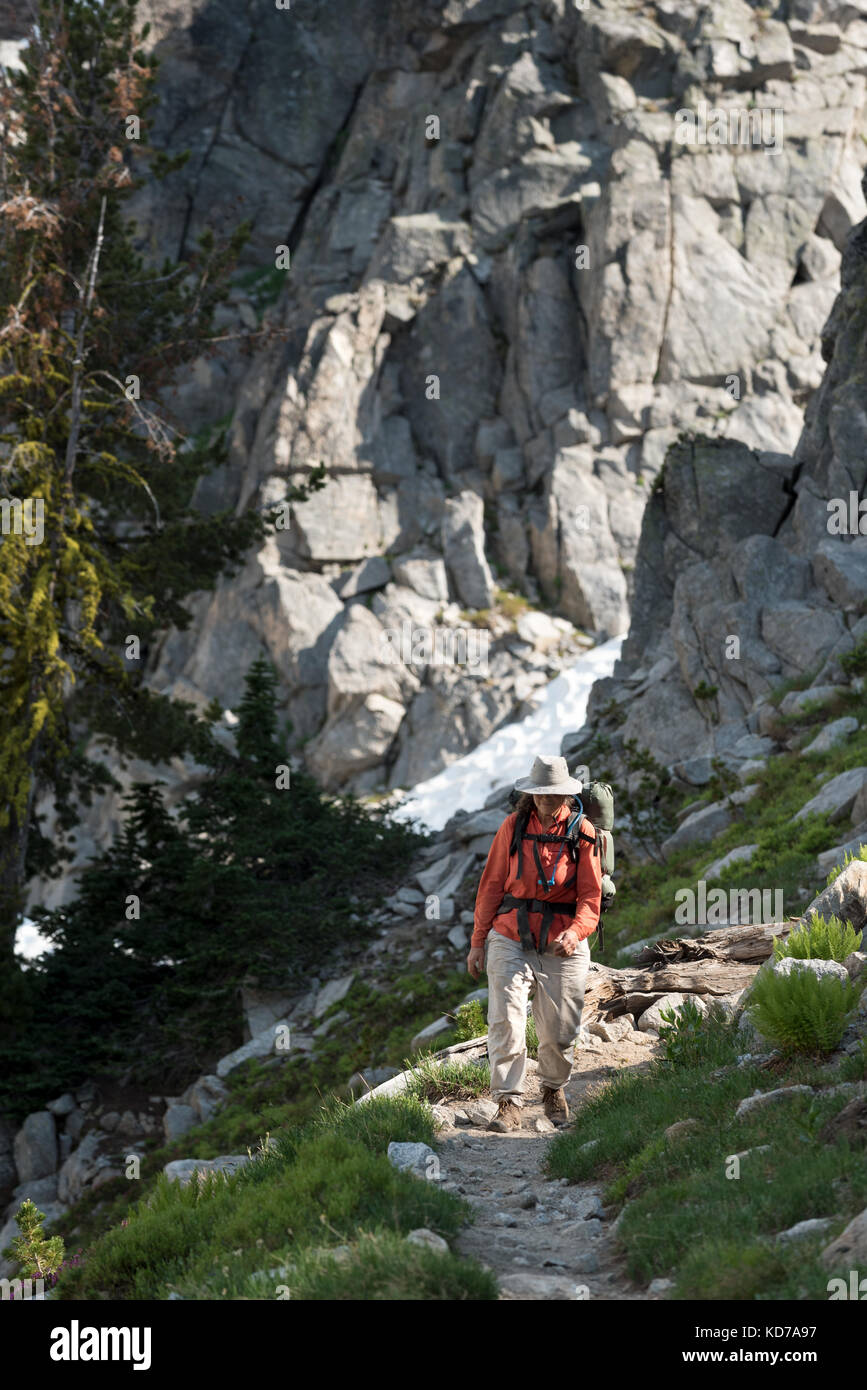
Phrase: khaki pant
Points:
(557, 1009)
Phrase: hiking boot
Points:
(508, 1117)
(555, 1105)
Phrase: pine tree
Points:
(99, 543)
(258, 875)
(39, 1255)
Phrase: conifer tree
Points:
(99, 542)
(257, 875)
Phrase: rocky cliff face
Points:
(513, 285)
(751, 570)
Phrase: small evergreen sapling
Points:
(39, 1256)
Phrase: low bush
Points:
(819, 939)
(801, 1012)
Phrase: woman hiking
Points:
(519, 894)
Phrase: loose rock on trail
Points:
(542, 1238)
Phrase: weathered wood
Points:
(696, 977)
(747, 943)
(714, 977)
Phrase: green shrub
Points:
(854, 663)
(436, 1079)
(327, 1181)
(471, 1022)
(800, 1012)
(820, 940)
(691, 1038)
(381, 1266)
(38, 1255)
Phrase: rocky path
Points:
(542, 1238)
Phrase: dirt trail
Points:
(541, 1238)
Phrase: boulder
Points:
(426, 1036)
(799, 632)
(428, 1240)
(822, 969)
(356, 740)
(741, 855)
(651, 1020)
(805, 1230)
(341, 522)
(424, 572)
(480, 1112)
(797, 700)
(40, 1191)
(845, 898)
(82, 1166)
(361, 662)
(850, 1124)
(832, 858)
(840, 567)
(361, 579)
(700, 827)
(332, 992)
(260, 1046)
(614, 1031)
(35, 1146)
(681, 1129)
(834, 733)
(837, 797)
(64, 1105)
(262, 1007)
(849, 1250)
(463, 542)
(750, 1104)
(538, 630)
(178, 1120)
(419, 1159)
(443, 1117)
(182, 1170)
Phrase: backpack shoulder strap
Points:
(517, 845)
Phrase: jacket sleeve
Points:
(492, 884)
(589, 889)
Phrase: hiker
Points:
(542, 909)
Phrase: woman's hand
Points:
(476, 961)
(566, 944)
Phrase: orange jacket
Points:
(500, 876)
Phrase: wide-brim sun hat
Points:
(549, 777)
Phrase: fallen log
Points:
(690, 977)
(751, 944)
